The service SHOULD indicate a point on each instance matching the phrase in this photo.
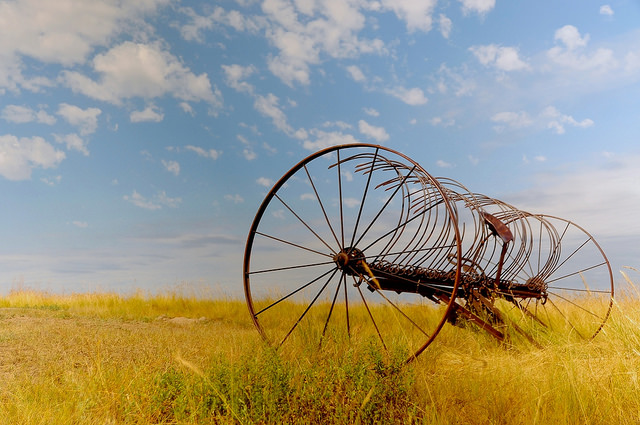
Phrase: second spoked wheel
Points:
(573, 273)
(324, 222)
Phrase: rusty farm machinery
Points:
(360, 241)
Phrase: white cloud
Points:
(304, 35)
(51, 181)
(512, 119)
(193, 31)
(264, 181)
(356, 73)
(44, 118)
(150, 113)
(73, 142)
(80, 224)
(85, 119)
(23, 114)
(569, 53)
(442, 121)
(557, 121)
(602, 197)
(133, 70)
(549, 118)
(606, 10)
(445, 26)
(186, 108)
(537, 158)
(417, 14)
(19, 156)
(478, 6)
(502, 58)
(236, 199)
(351, 202)
(459, 81)
(379, 134)
(249, 154)
(632, 62)
(159, 200)
(325, 139)
(339, 124)
(413, 96)
(234, 75)
(443, 164)
(211, 153)
(570, 37)
(371, 112)
(268, 106)
(171, 166)
(63, 32)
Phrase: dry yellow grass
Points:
(104, 358)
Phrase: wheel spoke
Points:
(305, 223)
(299, 266)
(565, 299)
(366, 304)
(578, 272)
(385, 205)
(324, 212)
(399, 310)
(293, 244)
(292, 293)
(308, 308)
(395, 229)
(318, 245)
(566, 318)
(364, 197)
(333, 304)
(569, 257)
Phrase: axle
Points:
(431, 283)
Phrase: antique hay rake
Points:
(360, 241)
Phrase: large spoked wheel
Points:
(309, 256)
(565, 264)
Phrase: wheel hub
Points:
(348, 260)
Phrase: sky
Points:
(138, 139)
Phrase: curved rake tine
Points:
(404, 179)
(425, 239)
(340, 200)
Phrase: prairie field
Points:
(104, 358)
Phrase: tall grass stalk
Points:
(181, 359)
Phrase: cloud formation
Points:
(20, 155)
(148, 71)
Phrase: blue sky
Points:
(137, 139)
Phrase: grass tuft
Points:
(104, 358)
